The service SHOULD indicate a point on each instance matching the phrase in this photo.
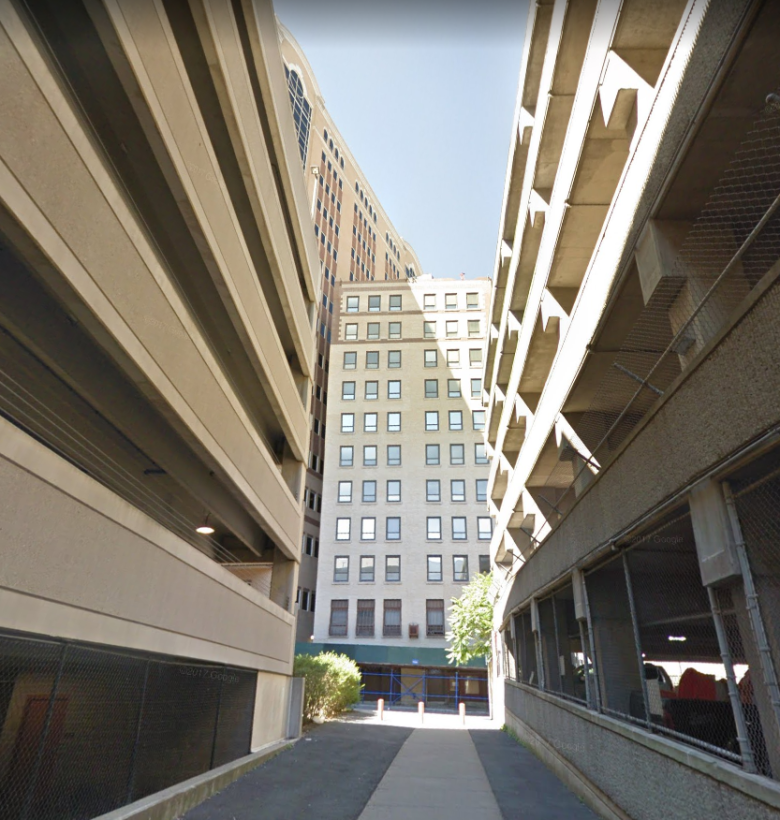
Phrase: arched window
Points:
(301, 110)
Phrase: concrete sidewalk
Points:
(437, 775)
(361, 768)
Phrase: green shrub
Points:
(333, 683)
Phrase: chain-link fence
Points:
(718, 259)
(85, 730)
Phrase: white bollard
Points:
(380, 707)
(462, 710)
(421, 710)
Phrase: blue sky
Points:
(423, 92)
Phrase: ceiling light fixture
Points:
(205, 528)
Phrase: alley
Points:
(366, 770)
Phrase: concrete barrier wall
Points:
(622, 771)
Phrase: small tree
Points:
(471, 625)
(471, 621)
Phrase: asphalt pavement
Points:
(364, 769)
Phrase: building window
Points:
(368, 529)
(429, 301)
(393, 422)
(482, 489)
(339, 612)
(353, 304)
(457, 454)
(434, 568)
(374, 304)
(372, 360)
(345, 492)
(348, 391)
(484, 563)
(433, 489)
(480, 454)
(458, 489)
(367, 563)
(475, 357)
(369, 492)
(301, 110)
(347, 422)
(351, 332)
(394, 330)
(370, 422)
(484, 528)
(431, 388)
(431, 358)
(433, 528)
(472, 301)
(429, 330)
(393, 490)
(393, 529)
(391, 627)
(372, 333)
(394, 390)
(393, 569)
(478, 420)
(460, 568)
(431, 420)
(476, 388)
(393, 455)
(395, 302)
(434, 618)
(341, 569)
(369, 455)
(343, 529)
(456, 420)
(450, 301)
(453, 388)
(345, 456)
(451, 329)
(393, 358)
(458, 528)
(372, 391)
(365, 618)
(473, 328)
(431, 454)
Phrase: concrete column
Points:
(284, 579)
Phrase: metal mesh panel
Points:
(85, 730)
(527, 666)
(561, 640)
(756, 495)
(613, 637)
(722, 256)
(685, 682)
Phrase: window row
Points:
(432, 455)
(311, 546)
(372, 359)
(431, 388)
(371, 421)
(452, 357)
(306, 598)
(393, 491)
(312, 500)
(452, 329)
(374, 303)
(433, 527)
(434, 573)
(371, 390)
(373, 331)
(391, 618)
(451, 301)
